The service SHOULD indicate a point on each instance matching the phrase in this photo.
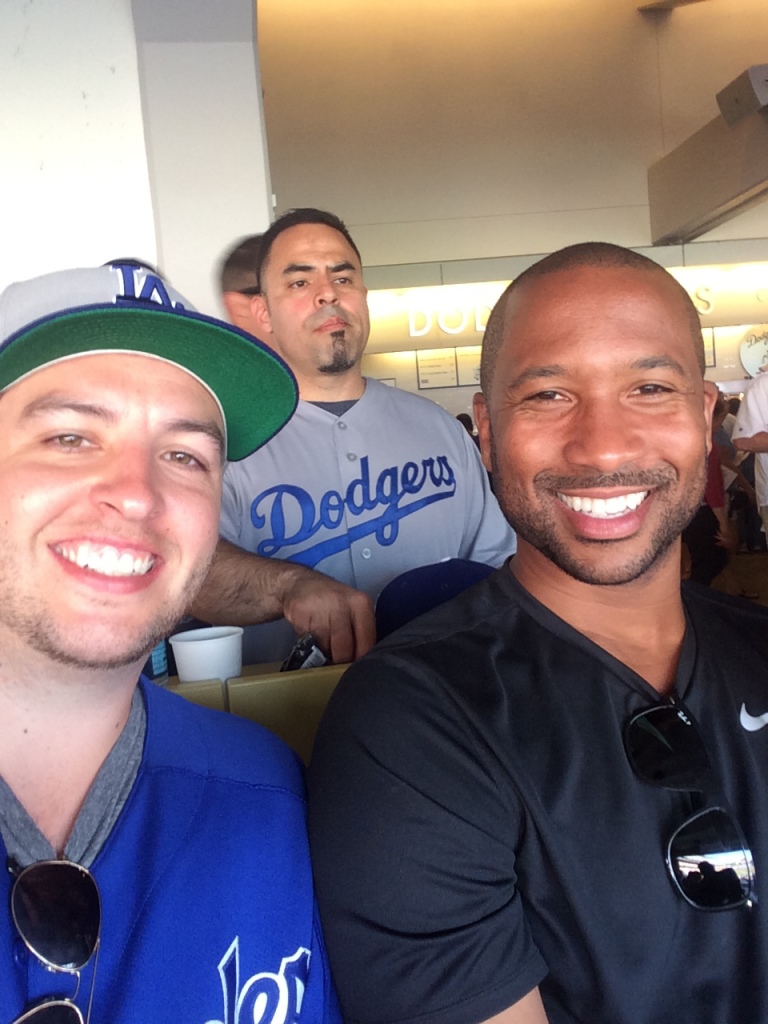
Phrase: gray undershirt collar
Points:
(337, 408)
(25, 843)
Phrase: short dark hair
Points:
(584, 254)
(237, 271)
(292, 219)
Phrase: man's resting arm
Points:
(242, 589)
(756, 443)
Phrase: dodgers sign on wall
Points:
(753, 350)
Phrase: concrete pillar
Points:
(74, 186)
(129, 129)
(203, 122)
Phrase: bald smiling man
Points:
(546, 801)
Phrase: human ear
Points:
(260, 313)
(483, 424)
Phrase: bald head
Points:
(596, 255)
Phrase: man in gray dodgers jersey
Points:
(537, 803)
(368, 481)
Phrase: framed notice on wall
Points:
(468, 364)
(436, 368)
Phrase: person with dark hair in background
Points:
(751, 435)
(709, 536)
(546, 800)
(729, 419)
(466, 421)
(238, 281)
(369, 481)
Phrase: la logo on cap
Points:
(142, 285)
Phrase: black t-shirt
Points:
(477, 829)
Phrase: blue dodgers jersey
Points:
(208, 915)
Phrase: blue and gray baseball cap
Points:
(125, 306)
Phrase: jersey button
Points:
(341, 425)
(351, 456)
(366, 552)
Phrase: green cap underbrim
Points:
(256, 389)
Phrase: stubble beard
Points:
(28, 622)
(538, 528)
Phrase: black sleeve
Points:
(414, 855)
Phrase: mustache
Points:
(631, 480)
(331, 310)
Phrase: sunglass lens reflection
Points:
(709, 862)
(57, 1012)
(57, 911)
(665, 749)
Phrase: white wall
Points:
(205, 136)
(129, 129)
(465, 129)
(448, 130)
(74, 187)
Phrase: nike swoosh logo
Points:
(752, 722)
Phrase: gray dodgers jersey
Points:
(394, 483)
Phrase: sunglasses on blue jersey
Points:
(56, 907)
(707, 857)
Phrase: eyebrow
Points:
(660, 363)
(52, 403)
(535, 373)
(206, 427)
(306, 268)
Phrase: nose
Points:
(605, 436)
(128, 483)
(326, 292)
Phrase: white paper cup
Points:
(215, 652)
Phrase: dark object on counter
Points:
(304, 654)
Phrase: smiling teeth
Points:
(604, 508)
(107, 560)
